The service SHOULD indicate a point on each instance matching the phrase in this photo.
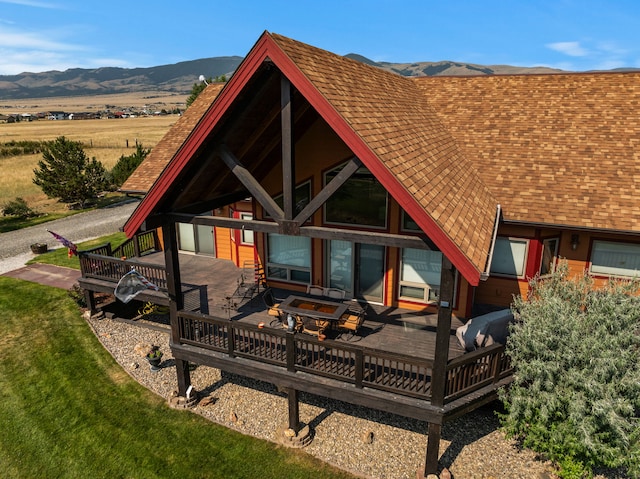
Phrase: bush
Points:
(576, 390)
(19, 209)
(66, 173)
(127, 164)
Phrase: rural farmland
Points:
(105, 139)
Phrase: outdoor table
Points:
(315, 308)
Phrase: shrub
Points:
(65, 172)
(127, 164)
(576, 390)
(19, 209)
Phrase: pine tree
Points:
(127, 164)
(65, 172)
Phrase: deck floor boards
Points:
(208, 282)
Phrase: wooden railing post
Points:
(231, 340)
(359, 367)
(291, 350)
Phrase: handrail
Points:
(476, 370)
(112, 269)
(362, 367)
(138, 245)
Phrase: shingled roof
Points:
(384, 119)
(559, 149)
(151, 168)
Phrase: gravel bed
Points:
(473, 447)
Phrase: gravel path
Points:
(473, 446)
(14, 245)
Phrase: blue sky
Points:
(576, 35)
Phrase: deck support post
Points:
(294, 409)
(176, 300)
(439, 371)
(90, 299)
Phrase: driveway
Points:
(14, 245)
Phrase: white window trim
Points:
(525, 259)
(603, 272)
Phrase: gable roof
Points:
(387, 123)
(557, 149)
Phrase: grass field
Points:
(69, 410)
(106, 140)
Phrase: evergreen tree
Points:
(576, 391)
(127, 164)
(65, 172)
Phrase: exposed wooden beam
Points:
(326, 192)
(368, 237)
(288, 159)
(224, 222)
(322, 232)
(250, 182)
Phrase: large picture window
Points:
(509, 257)
(420, 275)
(301, 198)
(289, 258)
(361, 200)
(615, 259)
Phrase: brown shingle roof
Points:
(148, 172)
(554, 149)
(392, 116)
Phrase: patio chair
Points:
(315, 327)
(270, 303)
(335, 293)
(315, 290)
(350, 323)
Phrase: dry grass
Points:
(151, 99)
(106, 140)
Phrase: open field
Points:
(106, 140)
(151, 99)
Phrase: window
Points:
(615, 259)
(549, 256)
(289, 258)
(361, 200)
(246, 236)
(408, 224)
(509, 257)
(302, 196)
(420, 275)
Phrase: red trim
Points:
(266, 47)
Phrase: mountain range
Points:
(180, 77)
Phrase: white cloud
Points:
(573, 49)
(30, 3)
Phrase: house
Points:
(56, 115)
(436, 195)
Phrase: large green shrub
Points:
(576, 393)
(65, 172)
(127, 164)
(19, 209)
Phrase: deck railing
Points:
(476, 370)
(108, 268)
(138, 245)
(359, 366)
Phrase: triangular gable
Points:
(385, 120)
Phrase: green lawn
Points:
(69, 410)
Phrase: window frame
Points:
(611, 274)
(525, 258)
(554, 256)
(426, 288)
(288, 268)
(325, 182)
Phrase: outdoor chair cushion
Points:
(485, 330)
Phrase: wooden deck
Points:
(207, 282)
(387, 365)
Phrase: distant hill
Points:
(180, 77)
